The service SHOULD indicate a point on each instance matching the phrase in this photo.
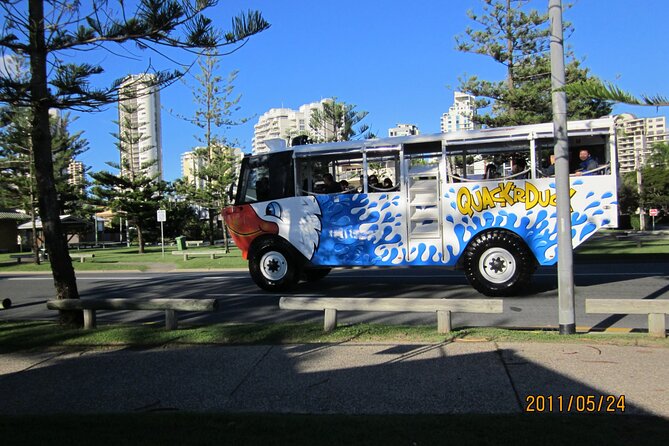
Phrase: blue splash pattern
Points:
(360, 229)
(370, 229)
(538, 226)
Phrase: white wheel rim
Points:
(497, 265)
(273, 265)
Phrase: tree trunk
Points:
(225, 238)
(56, 244)
(140, 238)
(210, 211)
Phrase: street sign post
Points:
(653, 213)
(162, 217)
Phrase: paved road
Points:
(242, 301)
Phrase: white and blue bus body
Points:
(480, 200)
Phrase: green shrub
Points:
(634, 220)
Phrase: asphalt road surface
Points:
(241, 301)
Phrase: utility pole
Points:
(567, 319)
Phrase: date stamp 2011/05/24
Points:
(574, 404)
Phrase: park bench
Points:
(170, 306)
(82, 257)
(20, 257)
(186, 254)
(194, 242)
(655, 309)
(443, 307)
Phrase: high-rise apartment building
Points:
(283, 123)
(404, 130)
(140, 128)
(75, 173)
(460, 115)
(190, 167)
(636, 137)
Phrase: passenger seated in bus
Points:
(344, 186)
(490, 172)
(329, 185)
(373, 183)
(588, 163)
(387, 183)
(262, 189)
(550, 170)
(519, 166)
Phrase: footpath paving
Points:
(348, 378)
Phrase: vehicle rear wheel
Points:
(498, 263)
(315, 274)
(273, 266)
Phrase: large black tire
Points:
(273, 265)
(315, 274)
(498, 263)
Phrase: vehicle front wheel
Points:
(498, 263)
(273, 266)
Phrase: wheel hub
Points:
(497, 265)
(273, 265)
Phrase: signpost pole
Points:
(161, 217)
(653, 212)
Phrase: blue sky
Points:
(394, 59)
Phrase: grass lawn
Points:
(626, 247)
(186, 429)
(18, 336)
(130, 259)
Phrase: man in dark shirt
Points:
(329, 185)
(588, 163)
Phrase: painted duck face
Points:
(245, 225)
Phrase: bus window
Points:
(266, 177)
(490, 162)
(383, 171)
(319, 174)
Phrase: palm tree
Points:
(595, 88)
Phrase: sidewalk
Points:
(459, 377)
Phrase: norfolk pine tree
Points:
(46, 32)
(217, 106)
(518, 40)
(337, 121)
(17, 178)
